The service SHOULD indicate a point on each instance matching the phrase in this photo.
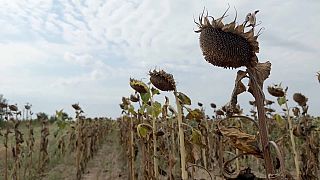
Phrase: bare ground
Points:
(109, 162)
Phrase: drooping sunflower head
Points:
(13, 107)
(76, 106)
(228, 45)
(3, 105)
(300, 99)
(162, 80)
(134, 97)
(138, 86)
(276, 91)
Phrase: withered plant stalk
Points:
(263, 130)
(184, 174)
(155, 144)
(6, 137)
(293, 143)
(131, 149)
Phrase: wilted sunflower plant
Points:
(307, 129)
(281, 95)
(144, 97)
(165, 82)
(235, 45)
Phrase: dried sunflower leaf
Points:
(241, 140)
(184, 99)
(239, 87)
(195, 114)
(279, 120)
(263, 71)
(259, 73)
(196, 138)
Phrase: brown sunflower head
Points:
(276, 91)
(219, 112)
(296, 111)
(268, 102)
(27, 106)
(252, 103)
(3, 105)
(13, 107)
(125, 101)
(76, 107)
(228, 45)
(138, 86)
(122, 106)
(134, 97)
(213, 105)
(162, 80)
(300, 99)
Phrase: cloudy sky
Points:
(58, 52)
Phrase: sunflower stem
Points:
(131, 148)
(263, 129)
(184, 174)
(154, 132)
(296, 160)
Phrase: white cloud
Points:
(13, 54)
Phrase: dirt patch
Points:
(109, 162)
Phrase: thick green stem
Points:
(184, 174)
(296, 160)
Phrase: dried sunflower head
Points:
(134, 97)
(268, 102)
(228, 45)
(219, 112)
(213, 105)
(138, 86)
(300, 99)
(160, 132)
(125, 101)
(76, 107)
(252, 103)
(3, 105)
(162, 80)
(27, 106)
(13, 107)
(296, 111)
(276, 91)
(122, 106)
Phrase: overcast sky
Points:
(57, 52)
